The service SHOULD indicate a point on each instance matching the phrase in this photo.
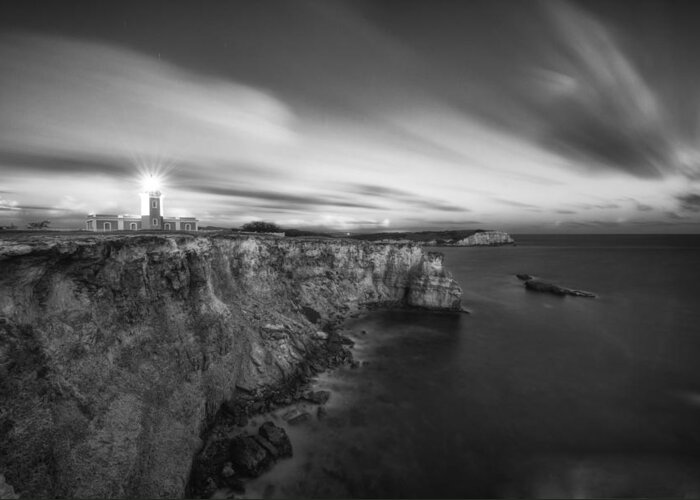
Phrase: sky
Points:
(355, 115)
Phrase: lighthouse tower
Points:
(151, 210)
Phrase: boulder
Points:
(227, 470)
(249, 457)
(209, 489)
(276, 436)
(234, 484)
(295, 416)
(271, 449)
(321, 335)
(318, 397)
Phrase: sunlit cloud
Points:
(556, 127)
(69, 98)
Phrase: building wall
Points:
(151, 222)
(102, 223)
(128, 224)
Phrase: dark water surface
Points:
(531, 395)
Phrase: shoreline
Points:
(248, 410)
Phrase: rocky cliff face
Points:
(486, 238)
(115, 351)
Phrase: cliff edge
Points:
(117, 350)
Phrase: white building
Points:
(151, 218)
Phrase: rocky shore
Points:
(121, 354)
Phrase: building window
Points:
(89, 224)
(107, 226)
(155, 222)
(187, 227)
(166, 225)
(132, 226)
(154, 203)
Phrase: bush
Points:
(39, 225)
(261, 227)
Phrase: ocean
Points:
(531, 395)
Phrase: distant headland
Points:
(455, 238)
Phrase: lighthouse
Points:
(152, 216)
(151, 210)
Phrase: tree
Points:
(261, 227)
(39, 225)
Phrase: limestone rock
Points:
(277, 437)
(432, 287)
(318, 397)
(486, 238)
(128, 344)
(249, 457)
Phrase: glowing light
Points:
(153, 171)
(150, 183)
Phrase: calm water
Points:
(532, 394)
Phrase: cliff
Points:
(117, 350)
(450, 238)
(485, 238)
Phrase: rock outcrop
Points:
(485, 238)
(431, 287)
(537, 285)
(117, 350)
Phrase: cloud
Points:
(8, 205)
(317, 133)
(62, 163)
(514, 203)
(330, 222)
(279, 199)
(600, 206)
(566, 212)
(689, 202)
(606, 206)
(70, 99)
(405, 197)
(600, 110)
(675, 216)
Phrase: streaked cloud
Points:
(68, 98)
(603, 110)
(690, 202)
(491, 114)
